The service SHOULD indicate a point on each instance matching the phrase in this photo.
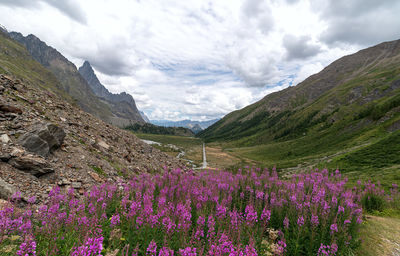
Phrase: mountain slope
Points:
(81, 149)
(65, 72)
(145, 118)
(352, 102)
(16, 60)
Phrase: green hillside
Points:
(346, 116)
(16, 61)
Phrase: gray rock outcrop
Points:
(31, 164)
(43, 139)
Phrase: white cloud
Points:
(362, 22)
(300, 47)
(202, 59)
(71, 8)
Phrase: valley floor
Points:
(192, 150)
(380, 234)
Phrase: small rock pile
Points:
(45, 141)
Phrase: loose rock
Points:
(4, 138)
(102, 144)
(4, 157)
(76, 185)
(6, 190)
(17, 152)
(31, 164)
(9, 109)
(43, 139)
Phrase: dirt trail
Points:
(381, 236)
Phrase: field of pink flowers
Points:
(210, 212)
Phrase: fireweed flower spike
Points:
(115, 220)
(152, 249)
(314, 220)
(286, 222)
(300, 221)
(210, 212)
(27, 248)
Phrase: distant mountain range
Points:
(83, 87)
(195, 126)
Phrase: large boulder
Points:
(34, 165)
(42, 139)
(6, 190)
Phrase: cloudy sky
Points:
(201, 59)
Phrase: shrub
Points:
(372, 202)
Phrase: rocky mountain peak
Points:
(86, 64)
(87, 68)
(122, 105)
(33, 38)
(82, 85)
(88, 74)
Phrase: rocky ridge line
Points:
(121, 105)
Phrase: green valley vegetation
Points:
(189, 148)
(155, 129)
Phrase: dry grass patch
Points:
(381, 236)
